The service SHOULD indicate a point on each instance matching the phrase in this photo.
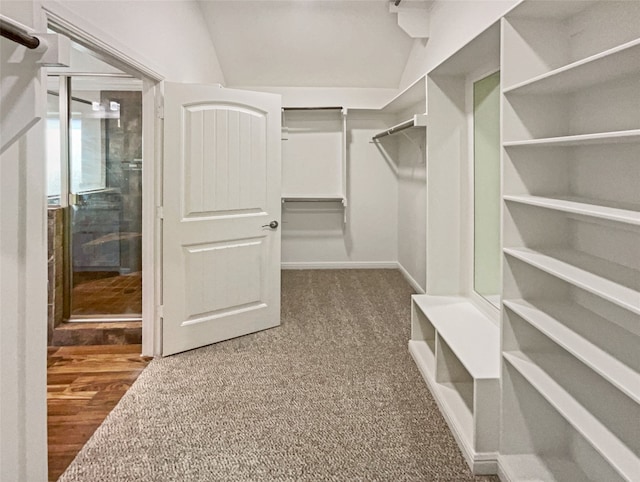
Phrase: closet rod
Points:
(18, 33)
(312, 108)
(400, 127)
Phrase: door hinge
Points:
(160, 109)
(160, 212)
(160, 311)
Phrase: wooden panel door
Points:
(221, 196)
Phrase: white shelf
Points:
(610, 368)
(418, 120)
(532, 468)
(580, 206)
(313, 199)
(410, 96)
(615, 283)
(473, 338)
(605, 66)
(593, 430)
(632, 135)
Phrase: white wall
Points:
(313, 234)
(169, 37)
(23, 263)
(412, 206)
(453, 23)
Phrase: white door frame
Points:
(78, 29)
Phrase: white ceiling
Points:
(307, 43)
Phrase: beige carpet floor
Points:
(331, 395)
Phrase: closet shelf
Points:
(610, 368)
(532, 368)
(602, 67)
(418, 120)
(580, 206)
(580, 269)
(305, 199)
(535, 467)
(632, 135)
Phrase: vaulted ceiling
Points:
(307, 43)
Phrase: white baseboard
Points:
(340, 265)
(414, 284)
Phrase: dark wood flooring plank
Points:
(84, 383)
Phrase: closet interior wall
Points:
(412, 197)
(314, 235)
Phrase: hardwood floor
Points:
(84, 383)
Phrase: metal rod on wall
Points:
(12, 31)
(311, 108)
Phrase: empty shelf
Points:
(303, 199)
(632, 135)
(579, 206)
(613, 282)
(610, 368)
(473, 338)
(602, 67)
(535, 468)
(584, 422)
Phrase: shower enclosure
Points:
(94, 149)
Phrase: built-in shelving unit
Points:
(314, 155)
(456, 348)
(571, 292)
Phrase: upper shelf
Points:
(410, 96)
(418, 120)
(611, 281)
(632, 135)
(602, 67)
(584, 207)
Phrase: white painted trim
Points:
(340, 265)
(79, 29)
(149, 190)
(503, 475)
(410, 279)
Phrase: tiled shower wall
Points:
(55, 255)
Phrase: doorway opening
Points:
(94, 188)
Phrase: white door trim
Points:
(112, 52)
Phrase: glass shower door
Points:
(105, 199)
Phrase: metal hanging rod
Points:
(312, 108)
(418, 120)
(18, 33)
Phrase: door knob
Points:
(272, 225)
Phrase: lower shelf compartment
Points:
(534, 369)
(453, 399)
(537, 468)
